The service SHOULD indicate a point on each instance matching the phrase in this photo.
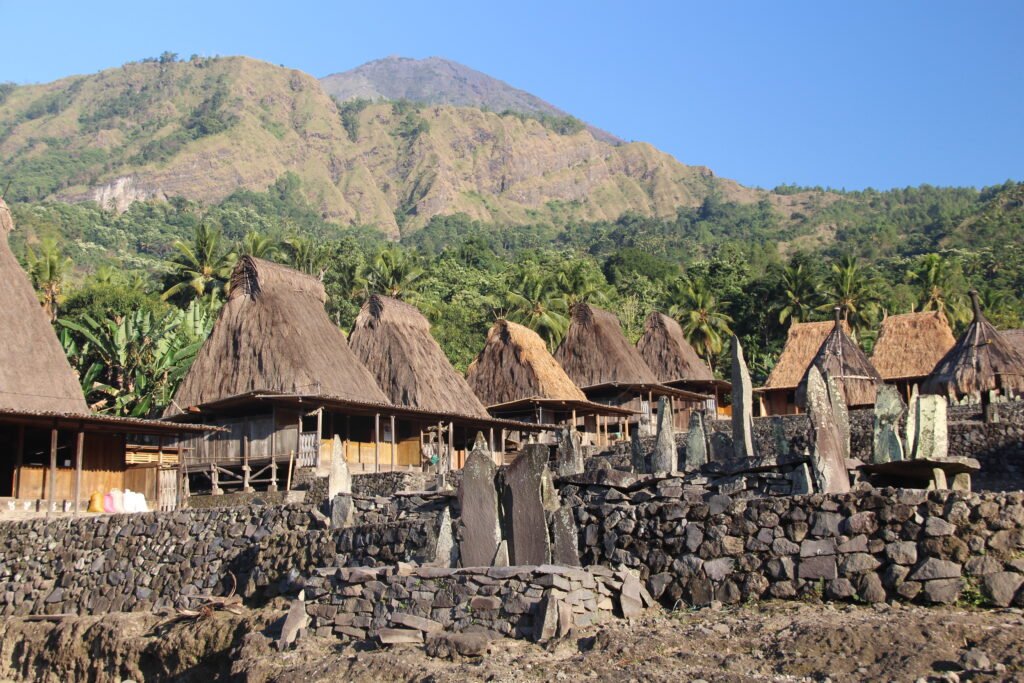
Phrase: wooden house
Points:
(909, 346)
(675, 363)
(516, 377)
(600, 360)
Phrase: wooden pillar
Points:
(490, 440)
(79, 451)
(376, 442)
(394, 444)
(440, 450)
(273, 471)
(19, 461)
(501, 448)
(574, 419)
(245, 459)
(180, 502)
(319, 435)
(160, 452)
(451, 445)
(215, 480)
(626, 422)
(52, 494)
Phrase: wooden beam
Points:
(52, 495)
(19, 461)
(180, 489)
(490, 440)
(376, 442)
(245, 459)
(79, 451)
(451, 445)
(394, 444)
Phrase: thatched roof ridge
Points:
(273, 334)
(393, 339)
(802, 344)
(909, 345)
(981, 360)
(515, 364)
(35, 374)
(595, 351)
(840, 358)
(664, 348)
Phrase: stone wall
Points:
(870, 545)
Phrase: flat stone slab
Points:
(523, 503)
(923, 468)
(398, 636)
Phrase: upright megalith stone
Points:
(828, 462)
(696, 443)
(666, 456)
(564, 538)
(339, 479)
(570, 452)
(637, 454)
(341, 510)
(931, 440)
(840, 413)
(742, 404)
(478, 500)
(523, 507)
(911, 427)
(889, 408)
(445, 553)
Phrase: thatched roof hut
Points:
(841, 359)
(982, 360)
(802, 344)
(595, 351)
(393, 339)
(1014, 338)
(274, 335)
(35, 375)
(515, 365)
(664, 348)
(909, 345)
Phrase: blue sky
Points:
(842, 94)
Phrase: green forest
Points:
(133, 295)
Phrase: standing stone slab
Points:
(341, 510)
(564, 538)
(570, 454)
(445, 554)
(889, 409)
(911, 427)
(801, 478)
(696, 443)
(665, 459)
(526, 526)
(840, 413)
(931, 441)
(638, 456)
(478, 499)
(742, 405)
(828, 463)
(339, 479)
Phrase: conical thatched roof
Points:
(802, 344)
(909, 345)
(667, 353)
(981, 360)
(393, 339)
(841, 359)
(1014, 338)
(514, 365)
(595, 351)
(34, 372)
(273, 334)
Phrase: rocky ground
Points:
(772, 641)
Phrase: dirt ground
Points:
(772, 641)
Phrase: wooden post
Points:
(273, 471)
(376, 442)
(451, 445)
(180, 503)
(19, 461)
(394, 445)
(160, 452)
(626, 422)
(52, 496)
(291, 465)
(79, 450)
(245, 460)
(215, 480)
(319, 433)
(440, 450)
(490, 440)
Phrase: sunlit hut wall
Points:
(51, 446)
(675, 363)
(516, 377)
(393, 339)
(600, 360)
(909, 346)
(281, 377)
(839, 358)
(981, 361)
(778, 395)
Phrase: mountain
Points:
(203, 128)
(440, 81)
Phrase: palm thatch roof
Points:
(595, 351)
(35, 374)
(840, 358)
(514, 365)
(1015, 338)
(664, 348)
(273, 334)
(982, 360)
(802, 344)
(393, 339)
(909, 345)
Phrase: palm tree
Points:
(934, 277)
(47, 270)
(704, 323)
(258, 245)
(393, 272)
(538, 305)
(202, 266)
(801, 294)
(854, 290)
(581, 283)
(308, 255)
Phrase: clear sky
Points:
(843, 94)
